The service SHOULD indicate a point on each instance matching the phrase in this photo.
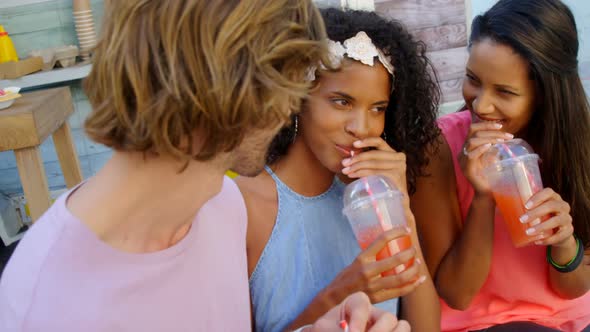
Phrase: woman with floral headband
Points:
(374, 115)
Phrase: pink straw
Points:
(505, 146)
(526, 188)
(370, 192)
(375, 206)
(344, 325)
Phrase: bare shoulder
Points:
(441, 160)
(440, 174)
(260, 196)
(259, 193)
(436, 207)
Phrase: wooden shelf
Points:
(42, 78)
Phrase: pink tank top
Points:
(517, 287)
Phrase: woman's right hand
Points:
(481, 137)
(364, 274)
(360, 316)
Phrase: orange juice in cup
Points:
(373, 205)
(368, 236)
(513, 174)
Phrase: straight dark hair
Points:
(544, 33)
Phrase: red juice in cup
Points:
(514, 176)
(512, 207)
(368, 236)
(373, 205)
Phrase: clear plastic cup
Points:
(373, 205)
(512, 171)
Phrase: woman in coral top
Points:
(521, 81)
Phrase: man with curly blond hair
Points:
(182, 90)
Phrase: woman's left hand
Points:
(381, 160)
(549, 203)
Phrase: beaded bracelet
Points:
(572, 264)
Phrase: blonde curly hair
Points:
(169, 73)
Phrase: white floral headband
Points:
(360, 48)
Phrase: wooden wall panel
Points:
(420, 14)
(441, 25)
(443, 37)
(449, 63)
(451, 90)
(450, 68)
(41, 25)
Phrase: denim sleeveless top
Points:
(310, 244)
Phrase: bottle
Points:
(7, 51)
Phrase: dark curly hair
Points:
(410, 119)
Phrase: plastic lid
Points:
(367, 188)
(508, 152)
